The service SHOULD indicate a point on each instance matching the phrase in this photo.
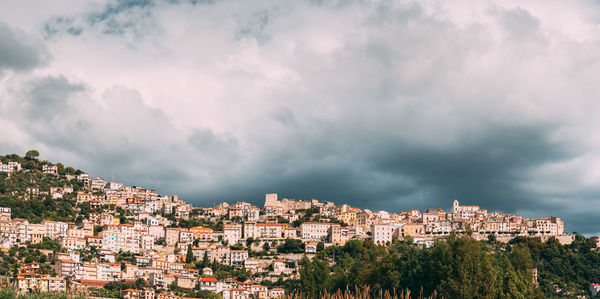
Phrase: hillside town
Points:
(167, 248)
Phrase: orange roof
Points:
(67, 261)
(112, 264)
(94, 283)
(208, 279)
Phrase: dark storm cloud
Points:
(396, 175)
(48, 97)
(18, 51)
(484, 170)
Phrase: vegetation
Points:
(10, 262)
(291, 246)
(31, 205)
(11, 293)
(32, 154)
(459, 267)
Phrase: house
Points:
(208, 284)
(237, 257)
(594, 288)
(131, 294)
(109, 271)
(236, 293)
(260, 291)
(276, 293)
(50, 169)
(185, 282)
(28, 282)
(53, 284)
(64, 267)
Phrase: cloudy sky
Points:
(379, 104)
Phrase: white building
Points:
(382, 233)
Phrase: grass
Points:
(12, 293)
(358, 293)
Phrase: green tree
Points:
(189, 256)
(312, 276)
(32, 154)
(464, 269)
(291, 246)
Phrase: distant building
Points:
(50, 169)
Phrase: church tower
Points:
(455, 206)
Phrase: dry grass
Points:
(359, 293)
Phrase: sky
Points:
(385, 105)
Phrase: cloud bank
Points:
(380, 104)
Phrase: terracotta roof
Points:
(94, 283)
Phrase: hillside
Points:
(27, 192)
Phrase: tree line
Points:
(458, 267)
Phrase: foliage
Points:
(12, 293)
(266, 246)
(32, 154)
(307, 215)
(291, 246)
(114, 288)
(189, 256)
(47, 243)
(459, 267)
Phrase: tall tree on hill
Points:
(32, 154)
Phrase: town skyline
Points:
(258, 201)
(81, 233)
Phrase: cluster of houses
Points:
(425, 227)
(10, 167)
(158, 250)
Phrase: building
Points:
(237, 257)
(321, 231)
(5, 214)
(50, 169)
(382, 233)
(232, 232)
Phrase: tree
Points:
(70, 170)
(464, 269)
(320, 246)
(61, 168)
(291, 246)
(313, 274)
(189, 256)
(205, 261)
(140, 283)
(266, 246)
(32, 154)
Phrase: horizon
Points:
(257, 202)
(381, 105)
